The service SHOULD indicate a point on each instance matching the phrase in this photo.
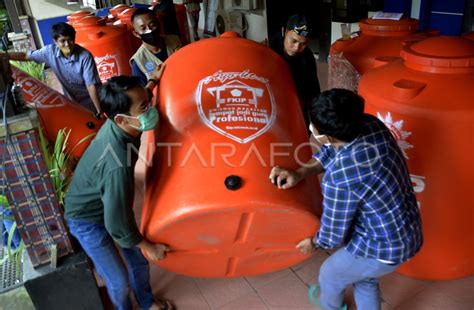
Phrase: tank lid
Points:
(469, 36)
(440, 55)
(387, 27)
(90, 21)
(127, 13)
(118, 8)
(78, 15)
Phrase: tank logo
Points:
(107, 66)
(396, 128)
(400, 135)
(36, 93)
(237, 105)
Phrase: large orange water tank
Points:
(469, 36)
(78, 15)
(56, 112)
(182, 19)
(109, 45)
(426, 101)
(116, 10)
(222, 128)
(378, 42)
(125, 18)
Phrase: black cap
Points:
(301, 25)
(233, 182)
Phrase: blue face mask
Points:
(148, 119)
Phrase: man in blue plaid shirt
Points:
(369, 206)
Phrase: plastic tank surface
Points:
(125, 19)
(379, 41)
(182, 19)
(426, 101)
(469, 36)
(109, 45)
(223, 126)
(116, 10)
(57, 112)
(76, 16)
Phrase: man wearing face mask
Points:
(292, 45)
(73, 65)
(99, 201)
(155, 48)
(369, 205)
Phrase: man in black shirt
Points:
(292, 44)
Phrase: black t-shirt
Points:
(304, 72)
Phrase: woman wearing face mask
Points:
(155, 48)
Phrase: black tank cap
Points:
(233, 182)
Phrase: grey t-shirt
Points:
(74, 73)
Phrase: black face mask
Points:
(152, 38)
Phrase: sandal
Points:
(313, 295)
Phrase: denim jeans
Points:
(99, 246)
(342, 269)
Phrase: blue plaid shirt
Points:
(369, 204)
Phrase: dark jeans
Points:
(99, 246)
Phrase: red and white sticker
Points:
(237, 105)
(108, 66)
(400, 135)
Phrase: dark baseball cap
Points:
(301, 25)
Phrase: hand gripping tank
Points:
(229, 113)
(378, 42)
(110, 46)
(56, 112)
(426, 101)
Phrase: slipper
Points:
(313, 295)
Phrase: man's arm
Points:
(339, 208)
(155, 77)
(117, 197)
(285, 179)
(18, 56)
(92, 90)
(91, 78)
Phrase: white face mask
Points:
(323, 139)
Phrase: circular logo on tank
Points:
(237, 105)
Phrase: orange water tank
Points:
(76, 16)
(222, 128)
(125, 18)
(426, 101)
(116, 10)
(56, 112)
(110, 46)
(378, 42)
(469, 36)
(182, 19)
